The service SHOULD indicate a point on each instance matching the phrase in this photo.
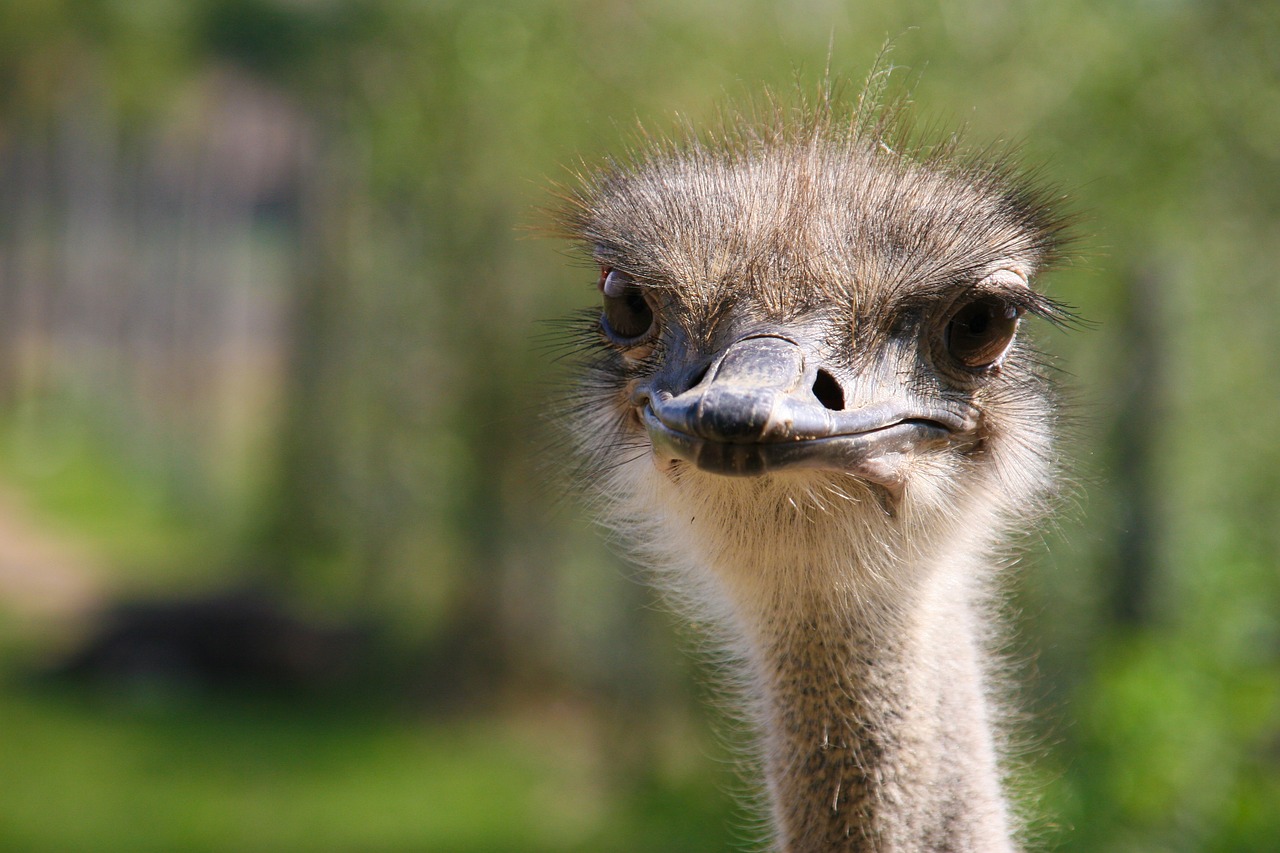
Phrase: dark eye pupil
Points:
(978, 324)
(635, 301)
(627, 315)
(980, 332)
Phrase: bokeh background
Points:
(283, 566)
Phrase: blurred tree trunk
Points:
(22, 189)
(1139, 426)
(485, 417)
(302, 521)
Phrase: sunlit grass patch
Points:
(98, 773)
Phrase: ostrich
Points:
(805, 402)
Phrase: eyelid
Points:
(1012, 286)
(613, 283)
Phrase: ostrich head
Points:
(807, 396)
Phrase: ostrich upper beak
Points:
(764, 405)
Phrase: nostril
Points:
(696, 379)
(828, 391)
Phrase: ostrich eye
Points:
(980, 332)
(628, 317)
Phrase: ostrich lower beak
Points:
(760, 409)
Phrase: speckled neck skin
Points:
(877, 739)
(859, 642)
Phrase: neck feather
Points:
(861, 634)
(876, 729)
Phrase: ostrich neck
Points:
(875, 724)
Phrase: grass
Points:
(84, 772)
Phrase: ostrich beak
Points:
(765, 405)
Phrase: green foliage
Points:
(1175, 749)
(132, 510)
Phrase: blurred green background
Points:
(283, 563)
